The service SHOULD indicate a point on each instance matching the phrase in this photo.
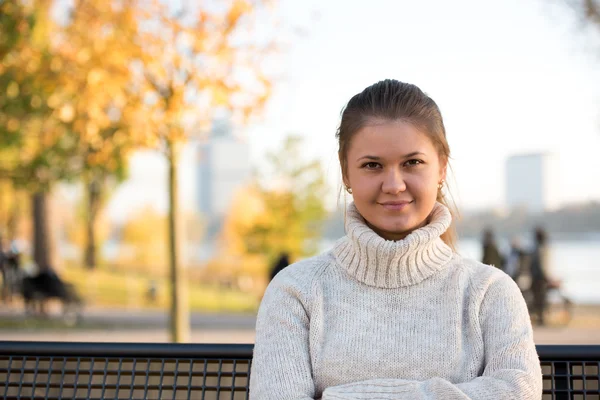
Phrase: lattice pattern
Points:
(122, 378)
(572, 380)
(46, 377)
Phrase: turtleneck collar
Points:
(382, 263)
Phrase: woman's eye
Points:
(371, 165)
(412, 163)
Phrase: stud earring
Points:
(440, 185)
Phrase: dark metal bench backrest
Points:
(58, 370)
(570, 371)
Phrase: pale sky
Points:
(511, 76)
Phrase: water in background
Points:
(576, 263)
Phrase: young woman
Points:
(392, 311)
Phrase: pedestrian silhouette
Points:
(491, 254)
(516, 259)
(539, 274)
(281, 263)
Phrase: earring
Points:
(348, 189)
(440, 185)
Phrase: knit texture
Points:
(379, 319)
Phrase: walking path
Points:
(105, 325)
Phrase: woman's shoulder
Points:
(479, 272)
(302, 273)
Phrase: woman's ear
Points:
(443, 169)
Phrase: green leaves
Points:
(283, 216)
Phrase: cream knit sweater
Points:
(379, 319)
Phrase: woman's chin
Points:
(393, 227)
(394, 232)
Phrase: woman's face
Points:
(393, 170)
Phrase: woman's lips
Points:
(395, 205)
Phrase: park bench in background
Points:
(56, 370)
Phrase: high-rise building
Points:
(530, 182)
(223, 167)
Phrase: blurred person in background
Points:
(392, 311)
(282, 262)
(152, 291)
(491, 254)
(540, 280)
(10, 272)
(516, 260)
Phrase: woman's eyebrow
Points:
(376, 158)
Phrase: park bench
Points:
(61, 370)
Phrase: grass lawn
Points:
(117, 288)
(41, 324)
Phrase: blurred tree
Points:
(34, 148)
(72, 86)
(102, 98)
(196, 61)
(284, 215)
(76, 221)
(114, 75)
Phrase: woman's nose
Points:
(393, 182)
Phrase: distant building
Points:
(531, 182)
(223, 167)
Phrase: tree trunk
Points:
(179, 321)
(12, 222)
(9, 212)
(42, 234)
(93, 193)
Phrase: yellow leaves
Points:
(247, 210)
(146, 232)
(53, 101)
(83, 55)
(220, 96)
(100, 46)
(50, 135)
(196, 65)
(91, 131)
(150, 141)
(32, 66)
(133, 68)
(120, 99)
(248, 206)
(119, 138)
(36, 101)
(102, 156)
(56, 64)
(13, 125)
(95, 76)
(237, 10)
(12, 91)
(66, 113)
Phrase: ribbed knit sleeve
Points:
(512, 369)
(281, 368)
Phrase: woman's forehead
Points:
(390, 138)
